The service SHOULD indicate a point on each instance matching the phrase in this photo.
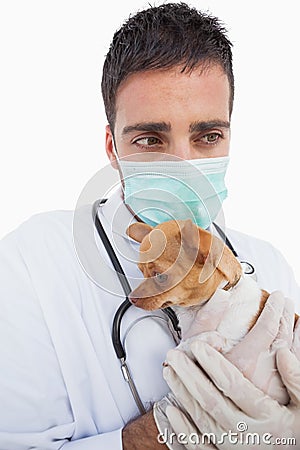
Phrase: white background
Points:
(52, 118)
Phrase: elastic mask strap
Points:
(115, 152)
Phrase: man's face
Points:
(186, 115)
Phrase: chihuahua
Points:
(183, 266)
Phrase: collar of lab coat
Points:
(116, 214)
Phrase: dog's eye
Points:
(160, 277)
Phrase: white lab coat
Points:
(60, 382)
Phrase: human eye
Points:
(147, 142)
(211, 138)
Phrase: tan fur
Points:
(192, 261)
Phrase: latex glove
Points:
(218, 399)
(171, 422)
(254, 355)
(273, 329)
(206, 320)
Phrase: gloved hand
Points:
(269, 333)
(216, 398)
(254, 355)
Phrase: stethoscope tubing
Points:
(116, 327)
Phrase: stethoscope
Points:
(172, 319)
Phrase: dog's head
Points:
(182, 264)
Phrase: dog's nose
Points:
(133, 300)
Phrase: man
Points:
(168, 88)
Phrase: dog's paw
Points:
(219, 342)
(216, 340)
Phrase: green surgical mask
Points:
(158, 191)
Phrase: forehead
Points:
(155, 94)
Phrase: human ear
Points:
(109, 147)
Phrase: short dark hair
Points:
(169, 35)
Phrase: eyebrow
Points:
(208, 125)
(157, 127)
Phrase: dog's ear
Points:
(222, 258)
(195, 239)
(212, 252)
(229, 265)
(138, 231)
